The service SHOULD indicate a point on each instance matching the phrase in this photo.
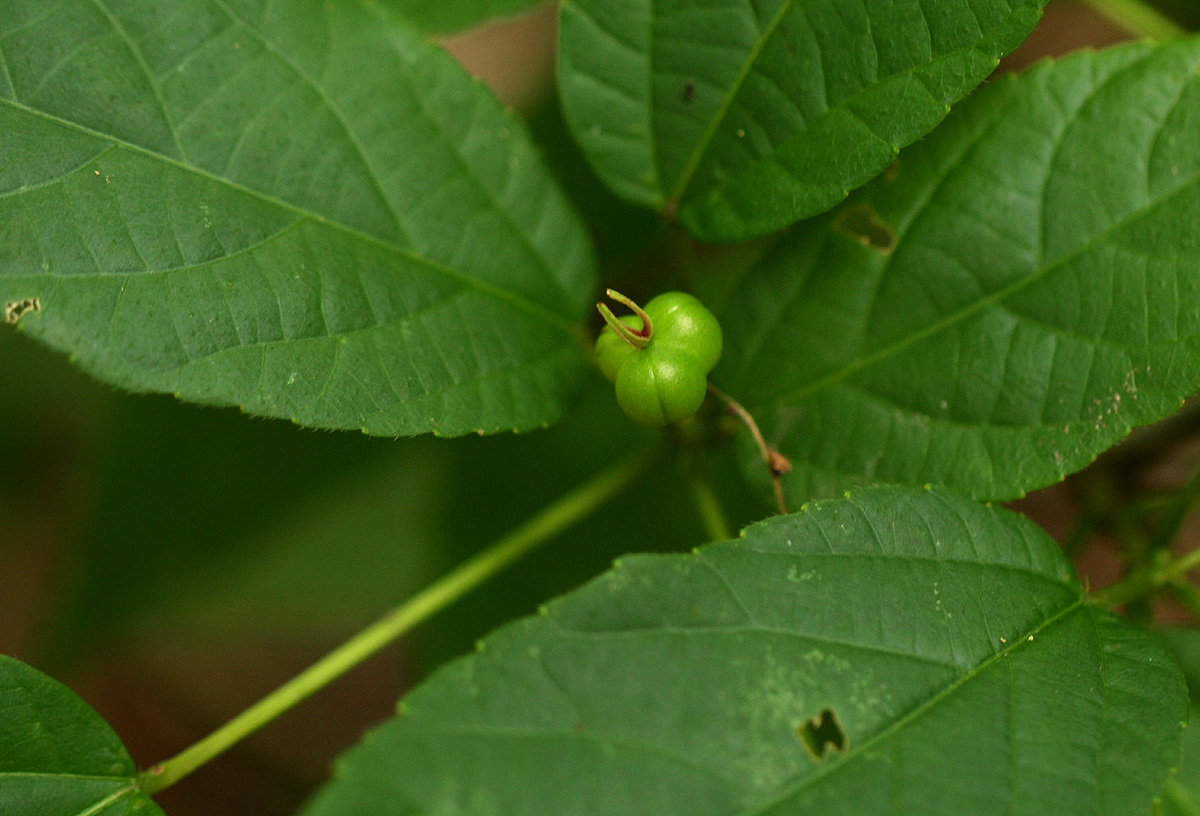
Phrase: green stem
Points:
(1187, 594)
(1161, 570)
(1139, 19)
(551, 521)
(1147, 581)
(1181, 798)
(710, 510)
(1175, 514)
(1087, 524)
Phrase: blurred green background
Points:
(173, 563)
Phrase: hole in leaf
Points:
(822, 733)
(864, 226)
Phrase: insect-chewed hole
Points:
(821, 733)
(862, 224)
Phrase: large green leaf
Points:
(450, 16)
(948, 641)
(57, 756)
(1182, 795)
(299, 209)
(748, 116)
(1023, 291)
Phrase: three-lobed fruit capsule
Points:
(666, 380)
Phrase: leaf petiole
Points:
(1139, 19)
(708, 506)
(1148, 581)
(1180, 797)
(777, 464)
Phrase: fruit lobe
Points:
(681, 321)
(612, 351)
(661, 385)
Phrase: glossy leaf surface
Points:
(57, 757)
(748, 116)
(959, 666)
(302, 210)
(1017, 296)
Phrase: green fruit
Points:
(681, 321)
(661, 385)
(612, 350)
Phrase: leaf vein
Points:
(553, 318)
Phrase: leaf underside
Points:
(57, 757)
(305, 211)
(1021, 292)
(948, 642)
(746, 117)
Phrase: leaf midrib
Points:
(62, 775)
(128, 789)
(854, 751)
(558, 321)
(140, 59)
(114, 797)
(719, 117)
(697, 155)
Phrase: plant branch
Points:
(708, 505)
(547, 524)
(1181, 798)
(1139, 19)
(1187, 594)
(777, 464)
(1161, 570)
(1147, 581)
(1175, 514)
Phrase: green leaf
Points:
(57, 756)
(1184, 642)
(948, 643)
(1182, 794)
(302, 210)
(451, 16)
(746, 117)
(1023, 291)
